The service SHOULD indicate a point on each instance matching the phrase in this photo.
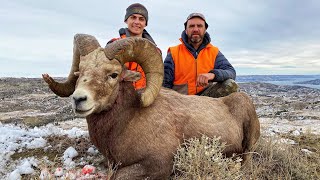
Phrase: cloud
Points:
(256, 36)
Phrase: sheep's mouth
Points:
(82, 112)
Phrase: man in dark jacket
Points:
(196, 66)
(136, 18)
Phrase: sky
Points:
(257, 37)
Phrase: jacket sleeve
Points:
(112, 40)
(168, 71)
(223, 70)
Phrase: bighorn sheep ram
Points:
(142, 131)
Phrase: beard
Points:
(195, 38)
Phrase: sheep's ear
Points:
(132, 76)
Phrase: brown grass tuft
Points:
(203, 159)
(276, 160)
(272, 159)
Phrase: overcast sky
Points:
(257, 37)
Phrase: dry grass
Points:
(284, 161)
(202, 159)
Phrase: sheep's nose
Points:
(78, 100)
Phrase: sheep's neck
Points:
(105, 127)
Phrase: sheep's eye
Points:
(114, 75)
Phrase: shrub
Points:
(203, 159)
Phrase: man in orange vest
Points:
(136, 18)
(196, 67)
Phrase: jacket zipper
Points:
(196, 61)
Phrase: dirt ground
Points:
(31, 102)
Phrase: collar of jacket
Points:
(145, 34)
(205, 42)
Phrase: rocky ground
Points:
(286, 108)
(30, 101)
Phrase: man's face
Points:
(136, 24)
(195, 30)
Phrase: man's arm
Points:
(223, 70)
(168, 71)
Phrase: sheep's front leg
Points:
(135, 171)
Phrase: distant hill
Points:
(264, 78)
(313, 82)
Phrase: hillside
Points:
(28, 106)
(313, 82)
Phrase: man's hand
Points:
(203, 79)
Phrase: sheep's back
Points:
(177, 116)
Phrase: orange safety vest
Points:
(133, 66)
(187, 68)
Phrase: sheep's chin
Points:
(83, 113)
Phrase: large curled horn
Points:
(145, 53)
(83, 44)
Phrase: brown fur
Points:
(144, 140)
